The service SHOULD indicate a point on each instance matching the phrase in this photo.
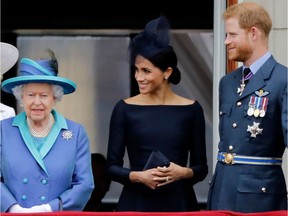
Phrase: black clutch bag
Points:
(156, 159)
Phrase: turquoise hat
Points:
(39, 71)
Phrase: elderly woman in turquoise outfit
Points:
(45, 157)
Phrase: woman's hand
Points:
(147, 178)
(167, 175)
(160, 176)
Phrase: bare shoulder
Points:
(144, 100)
(184, 101)
(133, 100)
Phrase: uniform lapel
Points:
(258, 80)
(236, 81)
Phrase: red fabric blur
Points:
(200, 213)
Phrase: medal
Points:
(258, 101)
(263, 107)
(254, 129)
(262, 113)
(241, 89)
(250, 111)
(256, 112)
(246, 75)
(251, 106)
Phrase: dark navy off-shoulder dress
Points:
(178, 131)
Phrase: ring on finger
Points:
(167, 178)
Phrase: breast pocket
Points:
(224, 114)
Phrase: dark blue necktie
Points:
(247, 74)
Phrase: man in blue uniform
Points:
(253, 118)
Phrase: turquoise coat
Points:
(61, 170)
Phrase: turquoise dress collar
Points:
(59, 124)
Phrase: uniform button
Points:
(23, 197)
(263, 189)
(234, 125)
(220, 113)
(25, 181)
(42, 198)
(44, 181)
(239, 103)
(230, 147)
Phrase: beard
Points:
(241, 53)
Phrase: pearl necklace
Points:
(43, 133)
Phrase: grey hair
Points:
(58, 92)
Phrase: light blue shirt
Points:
(258, 64)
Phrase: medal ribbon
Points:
(247, 75)
(252, 101)
(265, 103)
(258, 102)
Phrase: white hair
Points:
(58, 92)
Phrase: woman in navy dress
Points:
(157, 119)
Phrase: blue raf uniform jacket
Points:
(248, 187)
(61, 170)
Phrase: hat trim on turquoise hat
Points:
(67, 85)
(36, 66)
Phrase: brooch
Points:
(254, 129)
(67, 135)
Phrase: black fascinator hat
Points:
(154, 38)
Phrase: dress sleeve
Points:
(116, 145)
(198, 158)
